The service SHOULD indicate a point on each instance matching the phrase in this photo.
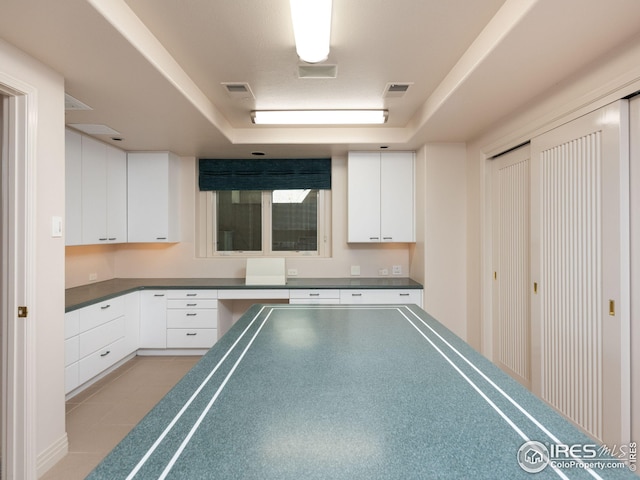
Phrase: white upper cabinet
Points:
(104, 193)
(381, 197)
(153, 197)
(73, 188)
(96, 191)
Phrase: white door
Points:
(580, 263)
(363, 197)
(397, 198)
(18, 334)
(511, 259)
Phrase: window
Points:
(253, 222)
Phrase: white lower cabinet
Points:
(153, 319)
(192, 318)
(314, 296)
(381, 296)
(99, 336)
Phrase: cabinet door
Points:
(363, 196)
(153, 319)
(73, 188)
(132, 322)
(397, 197)
(116, 195)
(153, 197)
(94, 191)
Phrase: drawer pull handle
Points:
(104, 307)
(387, 238)
(191, 314)
(158, 294)
(192, 294)
(314, 294)
(191, 334)
(105, 353)
(405, 294)
(374, 238)
(161, 238)
(111, 239)
(356, 294)
(192, 304)
(103, 239)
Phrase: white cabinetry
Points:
(96, 191)
(104, 193)
(97, 337)
(153, 319)
(178, 319)
(381, 197)
(73, 188)
(192, 318)
(381, 296)
(314, 296)
(153, 197)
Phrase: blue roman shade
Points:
(272, 174)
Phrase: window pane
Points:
(239, 216)
(294, 220)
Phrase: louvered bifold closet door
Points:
(511, 259)
(580, 263)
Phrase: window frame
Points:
(207, 231)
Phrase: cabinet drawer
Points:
(387, 296)
(71, 324)
(314, 301)
(194, 303)
(71, 350)
(204, 293)
(71, 377)
(191, 337)
(312, 294)
(94, 315)
(192, 318)
(96, 363)
(98, 337)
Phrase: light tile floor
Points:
(99, 417)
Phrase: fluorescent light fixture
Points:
(319, 117)
(311, 29)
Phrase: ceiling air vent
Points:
(394, 90)
(238, 90)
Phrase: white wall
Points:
(179, 260)
(48, 311)
(439, 258)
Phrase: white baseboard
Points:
(52, 455)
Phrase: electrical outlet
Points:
(355, 270)
(93, 277)
(396, 269)
(383, 271)
(292, 272)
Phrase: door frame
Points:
(18, 278)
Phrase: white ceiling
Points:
(153, 69)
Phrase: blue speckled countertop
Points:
(84, 295)
(345, 392)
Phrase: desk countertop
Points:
(85, 295)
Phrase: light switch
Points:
(56, 227)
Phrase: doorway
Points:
(17, 356)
